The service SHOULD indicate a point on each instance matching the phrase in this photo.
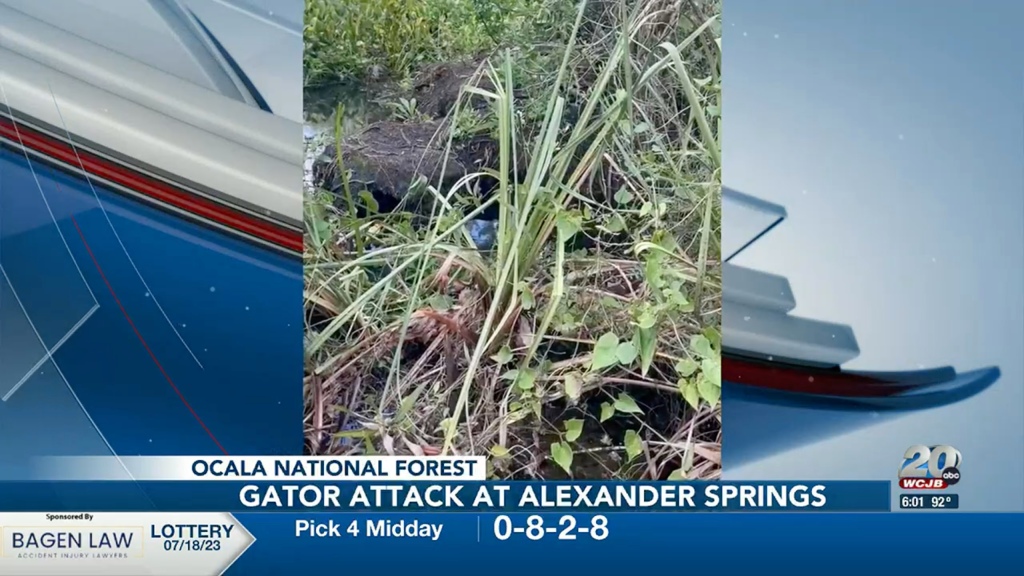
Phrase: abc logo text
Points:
(930, 467)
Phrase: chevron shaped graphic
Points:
(791, 359)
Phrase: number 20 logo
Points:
(929, 462)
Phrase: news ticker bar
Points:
(253, 544)
(379, 496)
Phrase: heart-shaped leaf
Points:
(634, 445)
(625, 404)
(573, 429)
(605, 352)
(561, 453)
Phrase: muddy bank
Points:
(388, 157)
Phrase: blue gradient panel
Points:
(43, 401)
(785, 544)
(785, 421)
(893, 134)
(43, 296)
(194, 346)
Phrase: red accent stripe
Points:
(814, 381)
(155, 189)
(143, 340)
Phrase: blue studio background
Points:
(184, 341)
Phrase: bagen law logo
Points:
(930, 467)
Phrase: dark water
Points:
(361, 106)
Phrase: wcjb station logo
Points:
(930, 467)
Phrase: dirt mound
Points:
(387, 158)
(437, 87)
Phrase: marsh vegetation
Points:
(512, 240)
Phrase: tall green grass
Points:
(368, 39)
(625, 333)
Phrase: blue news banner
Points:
(513, 528)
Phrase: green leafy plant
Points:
(469, 122)
(700, 375)
(405, 110)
